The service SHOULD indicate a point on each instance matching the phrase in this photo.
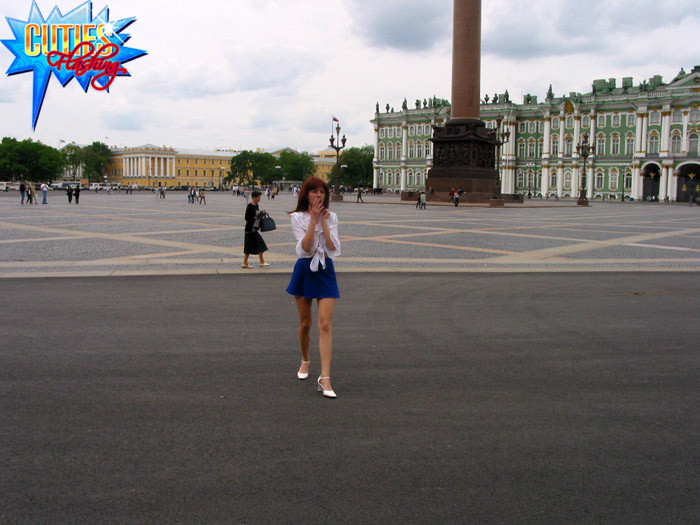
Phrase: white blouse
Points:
(319, 250)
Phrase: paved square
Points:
(122, 234)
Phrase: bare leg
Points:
(325, 340)
(304, 309)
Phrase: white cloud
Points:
(270, 73)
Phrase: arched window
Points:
(599, 179)
(521, 179)
(629, 145)
(601, 121)
(389, 178)
(695, 115)
(676, 144)
(419, 150)
(390, 151)
(555, 145)
(614, 176)
(568, 147)
(655, 118)
(522, 127)
(616, 121)
(654, 144)
(567, 179)
(419, 178)
(628, 180)
(553, 179)
(521, 149)
(631, 120)
(382, 152)
(411, 149)
(555, 123)
(693, 145)
(411, 178)
(399, 151)
(569, 121)
(531, 149)
(600, 145)
(427, 148)
(677, 117)
(586, 121)
(411, 130)
(615, 144)
(380, 179)
(382, 133)
(532, 127)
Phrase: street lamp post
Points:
(336, 145)
(501, 138)
(584, 150)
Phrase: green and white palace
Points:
(644, 140)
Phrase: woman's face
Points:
(317, 194)
(255, 200)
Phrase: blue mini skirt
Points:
(313, 285)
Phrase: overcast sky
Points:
(243, 74)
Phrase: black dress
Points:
(253, 242)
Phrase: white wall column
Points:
(663, 185)
(665, 132)
(560, 180)
(636, 183)
(684, 142)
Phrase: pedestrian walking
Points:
(22, 191)
(359, 196)
(456, 198)
(253, 242)
(69, 193)
(44, 191)
(32, 192)
(316, 232)
(76, 194)
(423, 202)
(202, 197)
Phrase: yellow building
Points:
(154, 166)
(325, 160)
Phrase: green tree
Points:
(73, 157)
(296, 166)
(95, 159)
(357, 170)
(249, 167)
(29, 160)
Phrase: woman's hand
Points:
(316, 210)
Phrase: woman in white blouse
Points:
(316, 231)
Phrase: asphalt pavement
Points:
(462, 398)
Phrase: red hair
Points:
(312, 183)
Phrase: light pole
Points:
(337, 140)
(584, 150)
(501, 138)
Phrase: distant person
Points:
(76, 194)
(452, 195)
(316, 232)
(455, 198)
(423, 202)
(32, 192)
(202, 197)
(359, 196)
(69, 194)
(22, 191)
(44, 191)
(253, 242)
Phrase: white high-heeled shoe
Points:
(301, 375)
(326, 393)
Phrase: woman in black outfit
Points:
(253, 241)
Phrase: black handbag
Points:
(264, 223)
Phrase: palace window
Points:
(521, 179)
(531, 149)
(380, 179)
(613, 179)
(677, 117)
(521, 149)
(390, 151)
(694, 115)
(586, 121)
(390, 132)
(382, 133)
(411, 130)
(382, 152)
(555, 146)
(522, 127)
(599, 180)
(600, 145)
(532, 127)
(654, 145)
(553, 179)
(601, 121)
(567, 180)
(427, 148)
(178, 173)
(555, 123)
(631, 120)
(676, 144)
(655, 118)
(615, 146)
(693, 145)
(419, 178)
(411, 178)
(629, 145)
(399, 150)
(628, 180)
(616, 121)
(188, 172)
(419, 150)
(569, 121)
(568, 147)
(540, 144)
(411, 149)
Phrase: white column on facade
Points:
(590, 181)
(645, 126)
(684, 142)
(375, 160)
(638, 135)
(404, 154)
(663, 185)
(672, 184)
(508, 174)
(547, 135)
(172, 167)
(544, 188)
(560, 180)
(665, 131)
(577, 132)
(636, 183)
(592, 128)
